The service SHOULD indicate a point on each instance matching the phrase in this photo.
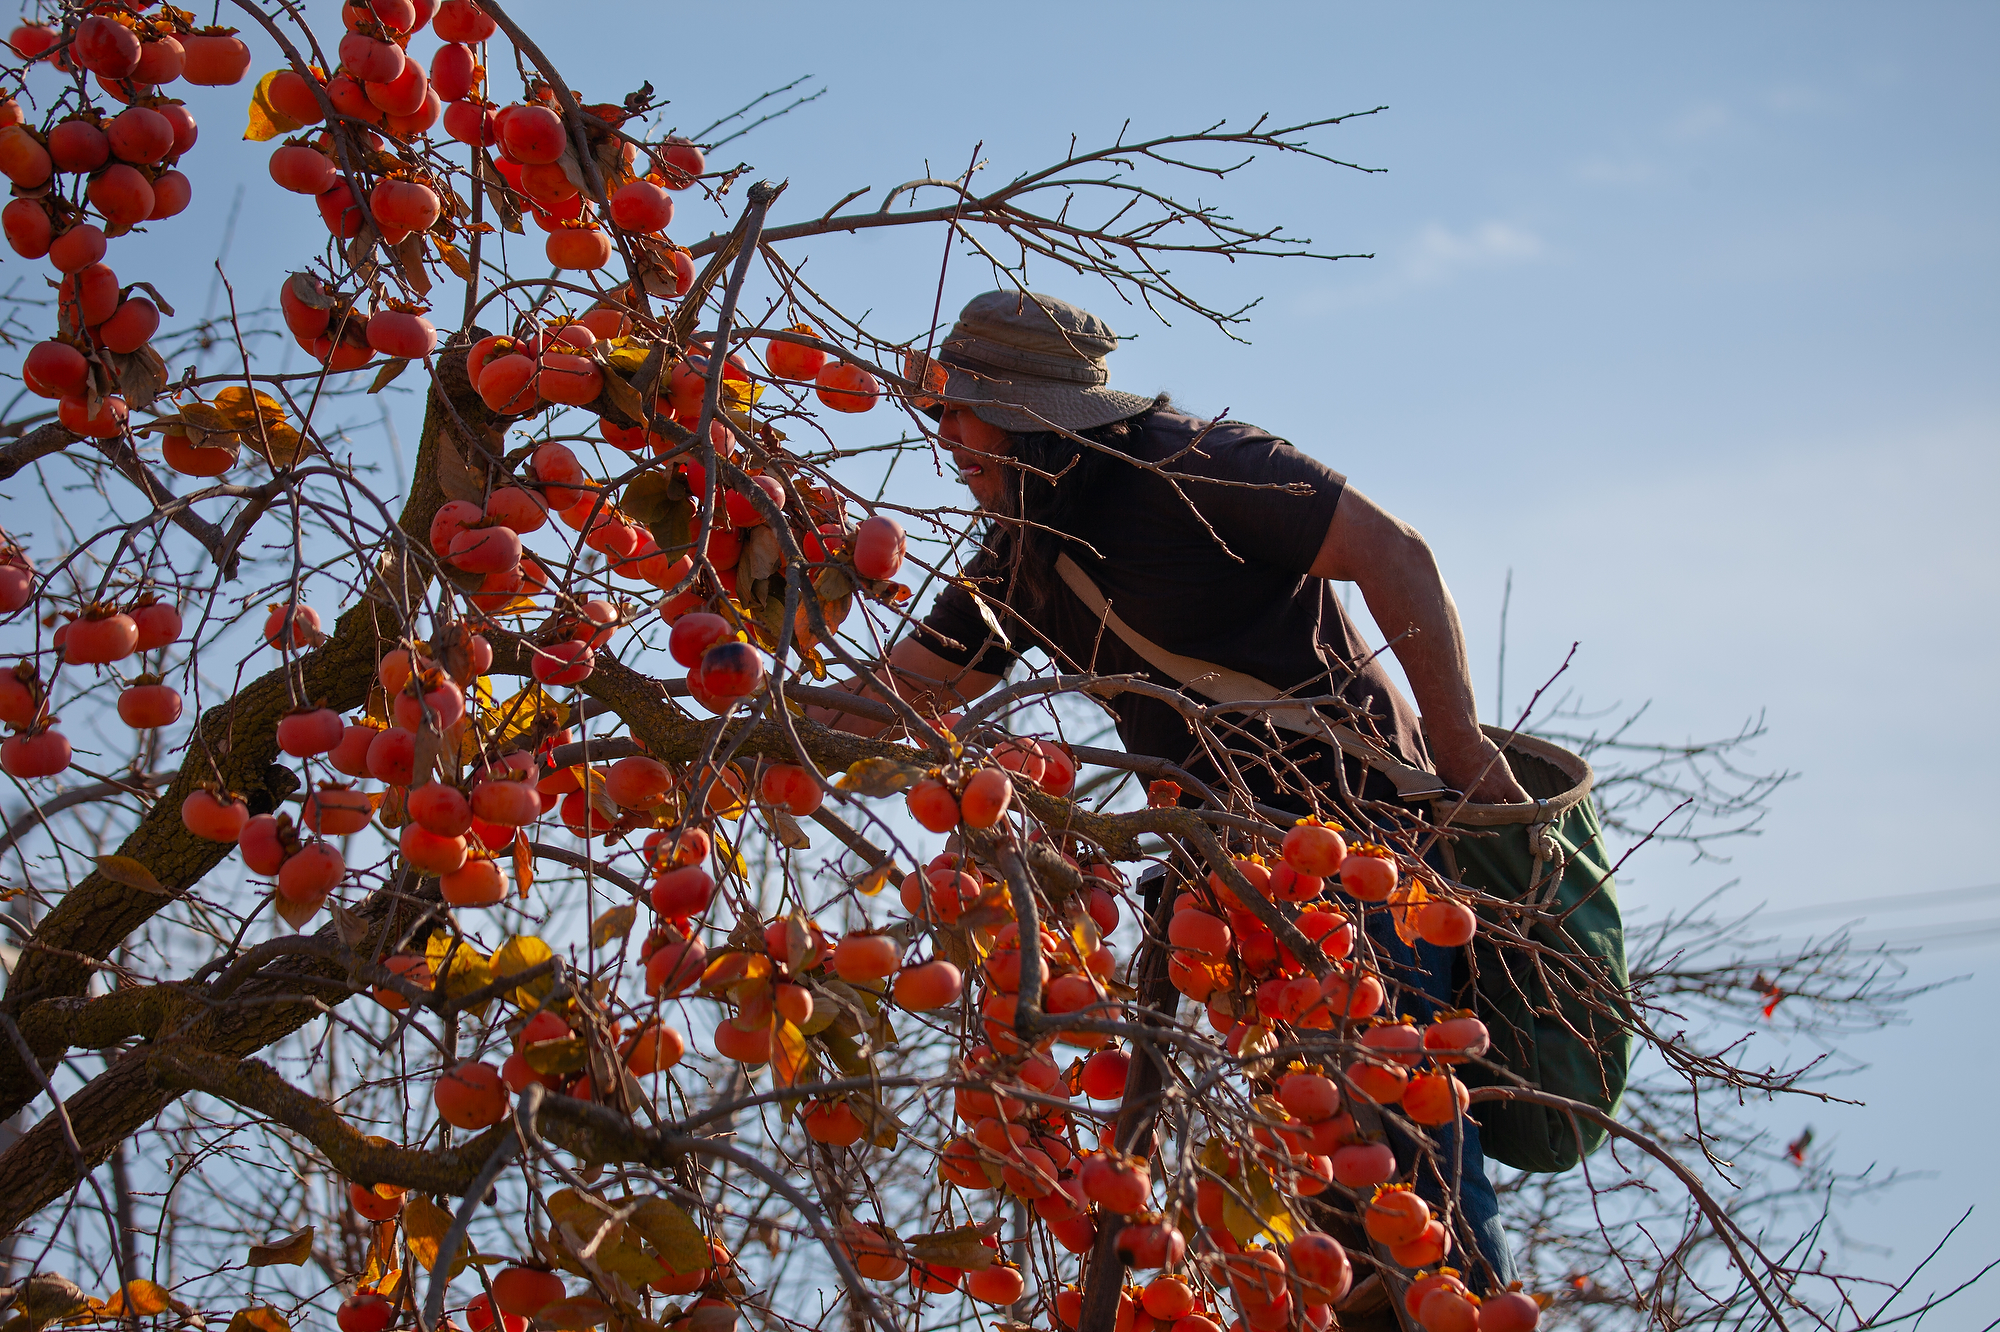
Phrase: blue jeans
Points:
(1420, 979)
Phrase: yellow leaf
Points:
(790, 1059)
(502, 722)
(565, 1054)
(627, 354)
(424, 1225)
(726, 855)
(266, 121)
(876, 878)
(518, 955)
(1405, 904)
(140, 1297)
(263, 1318)
(613, 924)
(631, 1262)
(672, 1233)
(1266, 1213)
(524, 863)
(130, 873)
(291, 1251)
(463, 967)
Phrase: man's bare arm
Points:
(926, 681)
(1399, 579)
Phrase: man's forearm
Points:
(1407, 596)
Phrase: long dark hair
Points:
(1054, 500)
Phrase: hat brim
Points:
(1028, 405)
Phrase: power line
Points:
(1895, 899)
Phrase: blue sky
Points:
(1683, 314)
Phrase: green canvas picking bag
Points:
(1552, 854)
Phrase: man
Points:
(1195, 554)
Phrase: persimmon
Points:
(985, 799)
(364, 1311)
(928, 986)
(1509, 1311)
(106, 421)
(131, 326)
(526, 1291)
(54, 369)
(139, 134)
(383, 1202)
(1454, 1039)
(89, 294)
(1369, 872)
(210, 817)
(337, 811)
(29, 233)
(310, 874)
(32, 41)
(402, 95)
(1204, 935)
(1446, 923)
(215, 59)
(864, 958)
(1117, 1184)
(308, 731)
(682, 892)
(80, 145)
(999, 1283)
(932, 804)
(1435, 1099)
(655, 1047)
(745, 1045)
(161, 60)
(674, 966)
(292, 96)
(472, 1096)
(100, 637)
(172, 193)
(401, 333)
(1394, 1215)
(845, 387)
(478, 882)
(23, 159)
(29, 754)
(293, 627)
(105, 47)
(480, 1316)
(730, 671)
(680, 162)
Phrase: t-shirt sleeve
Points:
(956, 631)
(1274, 527)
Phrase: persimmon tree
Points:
(444, 894)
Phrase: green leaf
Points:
(672, 1233)
(878, 777)
(961, 1248)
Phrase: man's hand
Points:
(1480, 770)
(922, 678)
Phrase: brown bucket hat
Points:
(1024, 362)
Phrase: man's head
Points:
(1020, 363)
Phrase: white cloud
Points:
(1434, 255)
(1438, 253)
(1704, 120)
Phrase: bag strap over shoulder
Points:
(1224, 685)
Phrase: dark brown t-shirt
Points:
(1216, 572)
